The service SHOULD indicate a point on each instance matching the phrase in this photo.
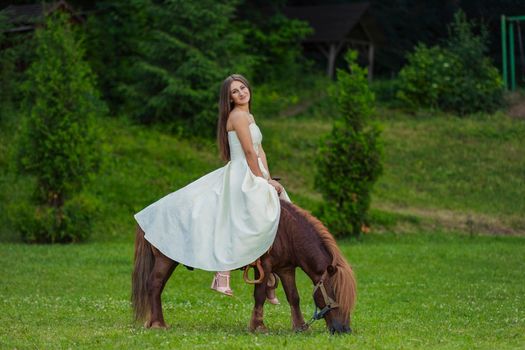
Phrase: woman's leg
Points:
(271, 286)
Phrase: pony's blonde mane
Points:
(343, 281)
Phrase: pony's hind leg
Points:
(288, 280)
(259, 294)
(160, 274)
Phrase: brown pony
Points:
(301, 241)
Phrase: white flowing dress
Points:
(222, 221)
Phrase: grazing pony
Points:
(301, 241)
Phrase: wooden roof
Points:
(337, 22)
(25, 17)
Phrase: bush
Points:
(457, 77)
(47, 224)
(349, 160)
(59, 142)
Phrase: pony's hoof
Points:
(155, 325)
(259, 329)
(302, 328)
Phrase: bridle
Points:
(330, 303)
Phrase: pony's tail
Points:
(143, 261)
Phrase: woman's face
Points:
(239, 93)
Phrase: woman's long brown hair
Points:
(225, 107)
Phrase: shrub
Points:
(455, 77)
(349, 159)
(40, 223)
(59, 142)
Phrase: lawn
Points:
(415, 291)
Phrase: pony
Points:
(301, 241)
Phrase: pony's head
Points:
(338, 281)
(334, 295)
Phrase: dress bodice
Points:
(236, 151)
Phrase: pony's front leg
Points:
(288, 280)
(162, 270)
(259, 294)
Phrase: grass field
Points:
(421, 291)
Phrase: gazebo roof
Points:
(335, 23)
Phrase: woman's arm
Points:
(241, 125)
(262, 155)
(272, 182)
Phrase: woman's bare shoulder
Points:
(239, 117)
(238, 114)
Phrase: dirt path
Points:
(301, 107)
(516, 101)
(473, 223)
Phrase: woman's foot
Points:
(271, 285)
(221, 283)
(270, 296)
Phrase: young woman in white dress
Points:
(229, 217)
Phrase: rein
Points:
(330, 303)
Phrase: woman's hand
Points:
(278, 187)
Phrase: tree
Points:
(15, 52)
(349, 159)
(59, 143)
(113, 34)
(190, 48)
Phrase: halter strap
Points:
(329, 302)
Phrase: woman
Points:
(229, 217)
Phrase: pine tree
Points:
(189, 49)
(59, 143)
(349, 160)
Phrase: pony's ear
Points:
(331, 270)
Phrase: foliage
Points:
(349, 160)
(113, 34)
(279, 68)
(16, 51)
(457, 77)
(59, 142)
(275, 42)
(6, 69)
(181, 66)
(71, 222)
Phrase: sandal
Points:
(216, 285)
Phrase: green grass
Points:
(472, 164)
(422, 291)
